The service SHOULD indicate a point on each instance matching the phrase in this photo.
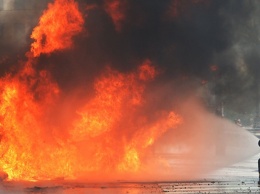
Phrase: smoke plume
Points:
(105, 86)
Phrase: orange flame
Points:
(116, 10)
(110, 133)
(58, 24)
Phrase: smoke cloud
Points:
(183, 39)
(159, 53)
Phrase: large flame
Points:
(106, 135)
(56, 28)
(110, 132)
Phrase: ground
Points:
(241, 177)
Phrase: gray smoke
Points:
(17, 19)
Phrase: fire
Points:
(58, 24)
(118, 99)
(130, 161)
(116, 10)
(112, 132)
(107, 135)
(213, 67)
(179, 8)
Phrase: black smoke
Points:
(181, 46)
(184, 46)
